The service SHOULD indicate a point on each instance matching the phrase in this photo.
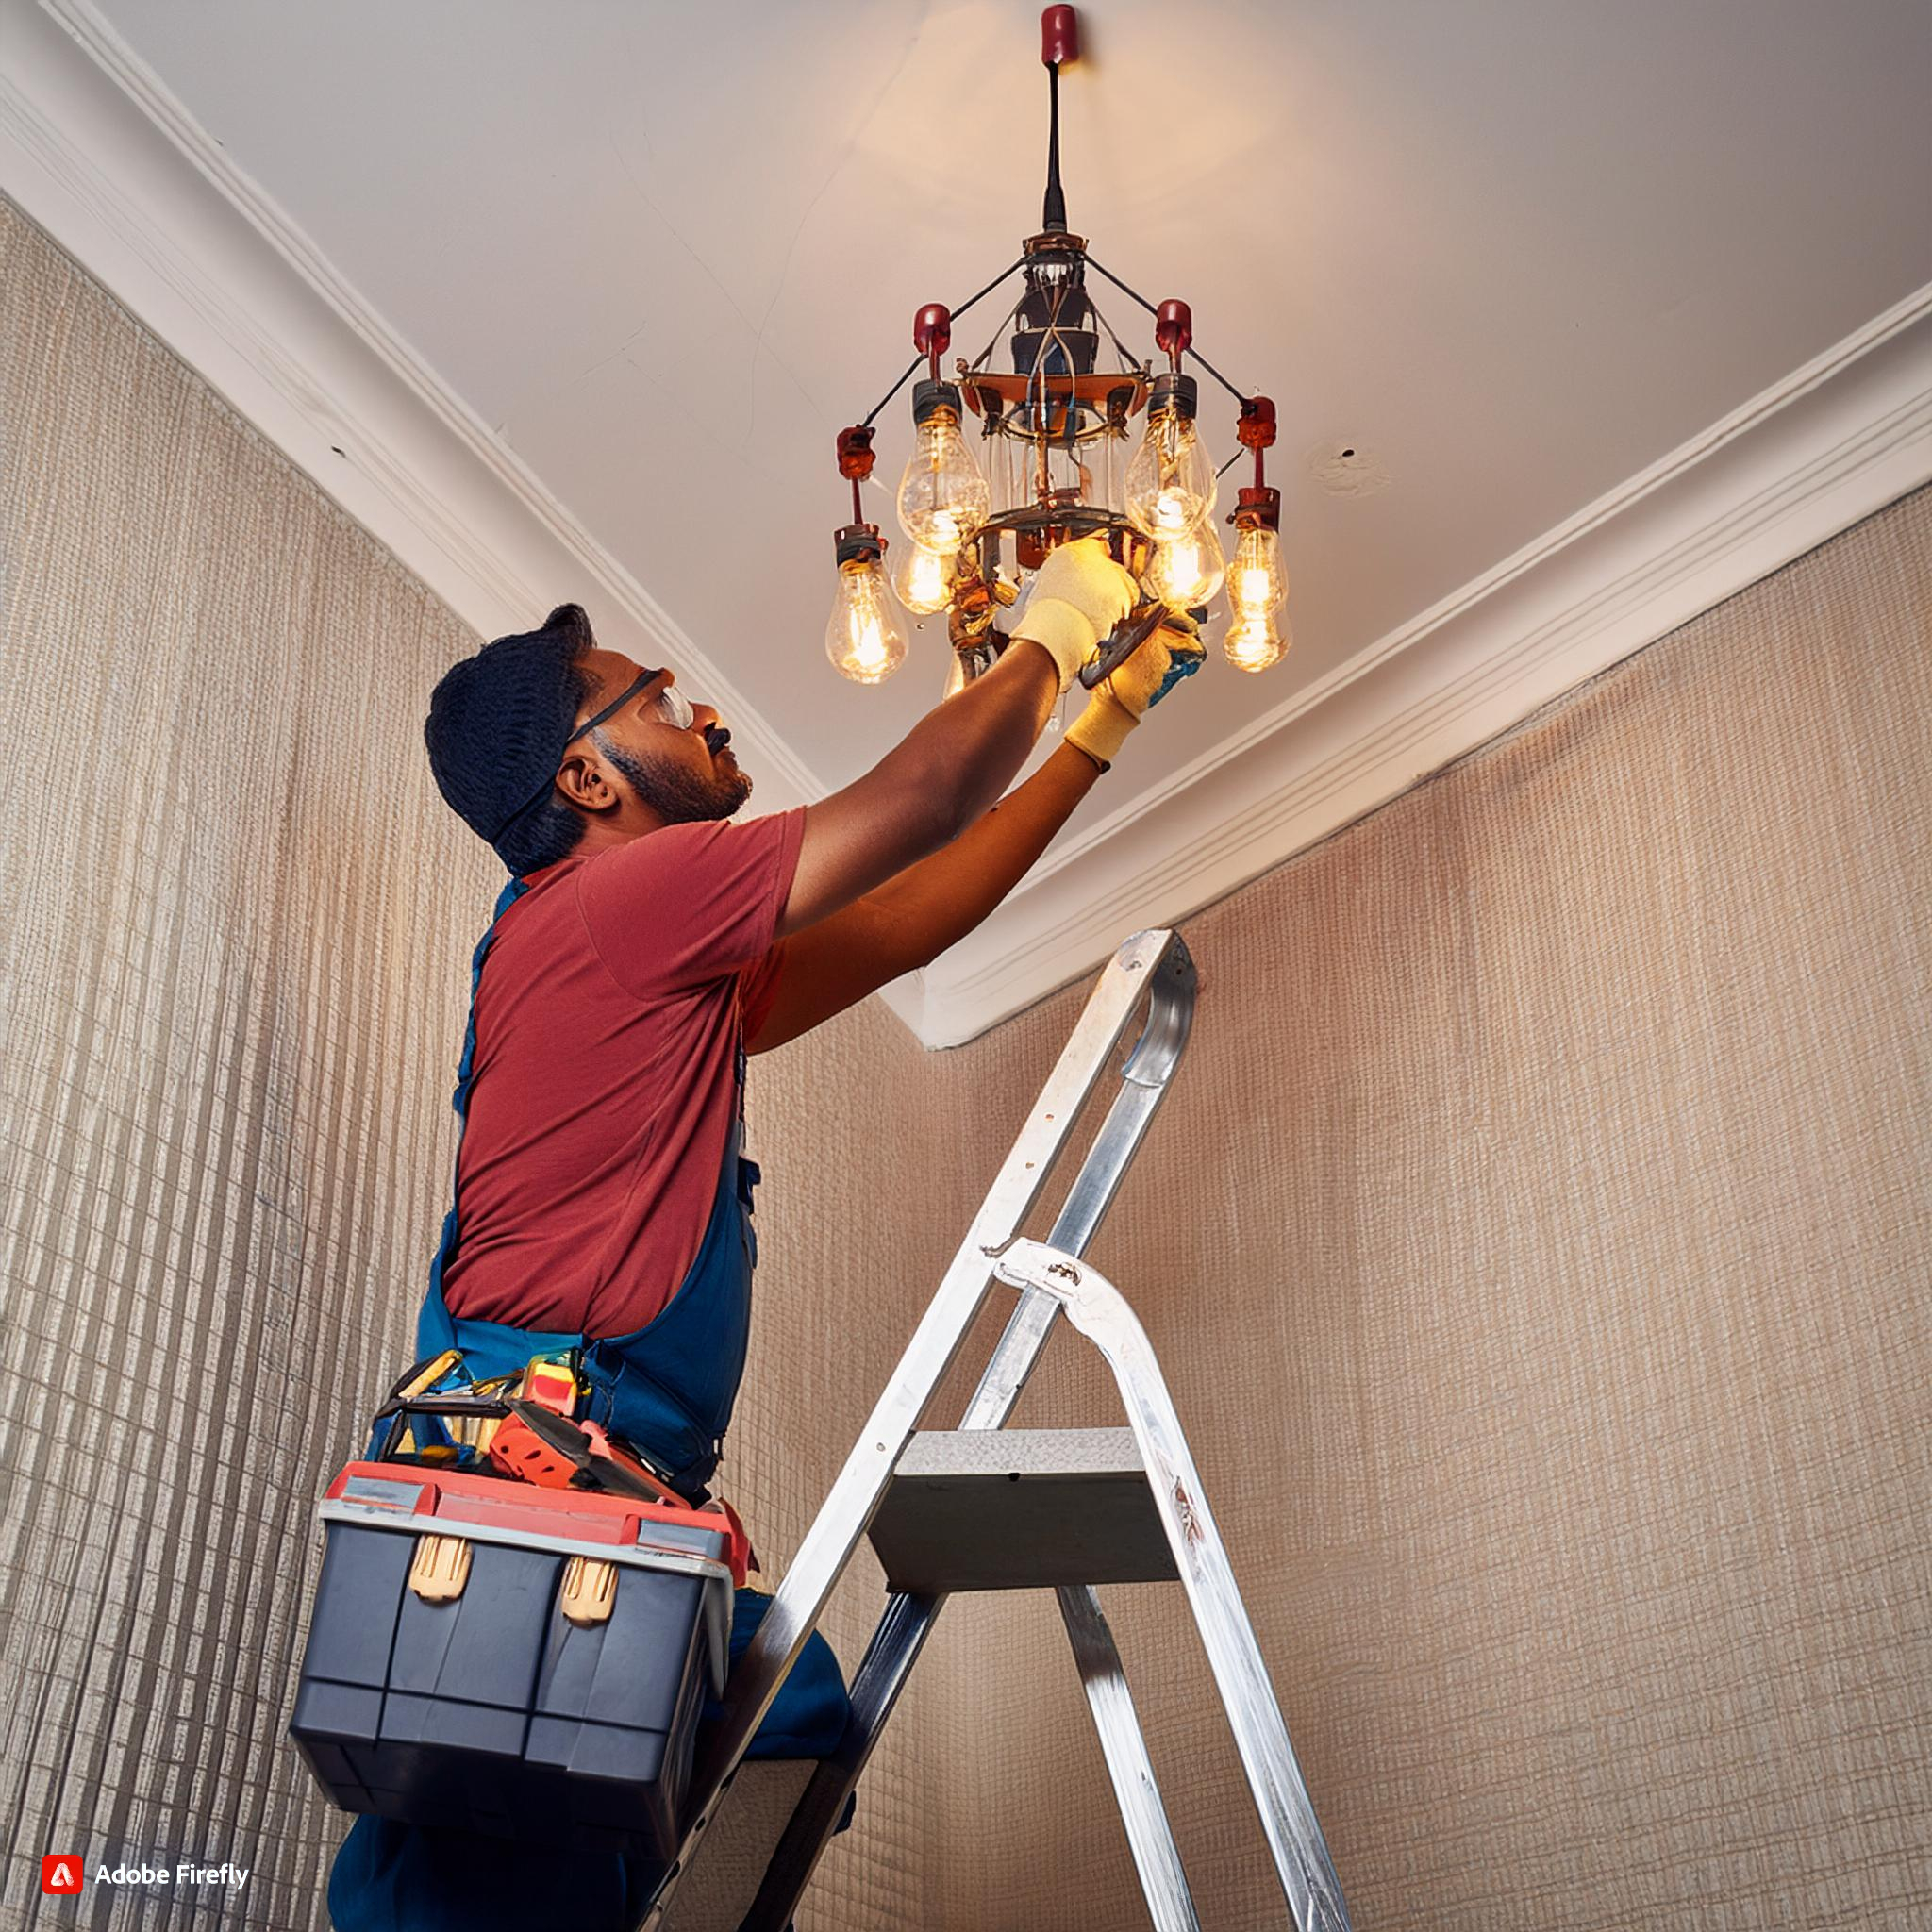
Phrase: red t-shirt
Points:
(608, 1022)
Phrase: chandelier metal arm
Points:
(1240, 395)
(918, 362)
(979, 360)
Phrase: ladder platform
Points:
(737, 1846)
(1019, 1510)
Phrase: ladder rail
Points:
(1133, 975)
(1149, 1837)
(1145, 1083)
(908, 1618)
(1100, 1313)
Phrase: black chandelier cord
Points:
(1053, 212)
(1239, 396)
(919, 362)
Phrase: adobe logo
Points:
(61, 1872)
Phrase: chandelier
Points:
(1054, 429)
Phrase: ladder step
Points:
(731, 1857)
(1019, 1510)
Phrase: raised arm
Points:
(917, 914)
(958, 760)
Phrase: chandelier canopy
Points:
(1054, 429)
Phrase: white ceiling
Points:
(1515, 251)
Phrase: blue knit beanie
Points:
(498, 722)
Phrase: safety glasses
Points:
(673, 708)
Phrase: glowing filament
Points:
(861, 639)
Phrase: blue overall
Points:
(667, 1388)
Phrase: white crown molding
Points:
(103, 156)
(98, 151)
(1831, 443)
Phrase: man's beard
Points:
(677, 794)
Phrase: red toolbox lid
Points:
(588, 1516)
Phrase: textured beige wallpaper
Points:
(1537, 1242)
(233, 966)
(232, 922)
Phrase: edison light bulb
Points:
(1254, 643)
(1256, 584)
(1170, 485)
(861, 640)
(1186, 570)
(924, 579)
(943, 496)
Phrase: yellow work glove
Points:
(1078, 596)
(1121, 700)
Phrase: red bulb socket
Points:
(858, 543)
(1059, 36)
(1257, 507)
(1174, 327)
(855, 451)
(1256, 428)
(932, 332)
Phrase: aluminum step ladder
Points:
(958, 1509)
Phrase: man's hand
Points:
(1122, 700)
(1078, 596)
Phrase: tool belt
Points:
(524, 1427)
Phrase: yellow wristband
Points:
(1066, 635)
(1101, 728)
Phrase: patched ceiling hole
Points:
(1346, 469)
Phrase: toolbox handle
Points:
(607, 1467)
(399, 1408)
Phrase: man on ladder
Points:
(644, 944)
